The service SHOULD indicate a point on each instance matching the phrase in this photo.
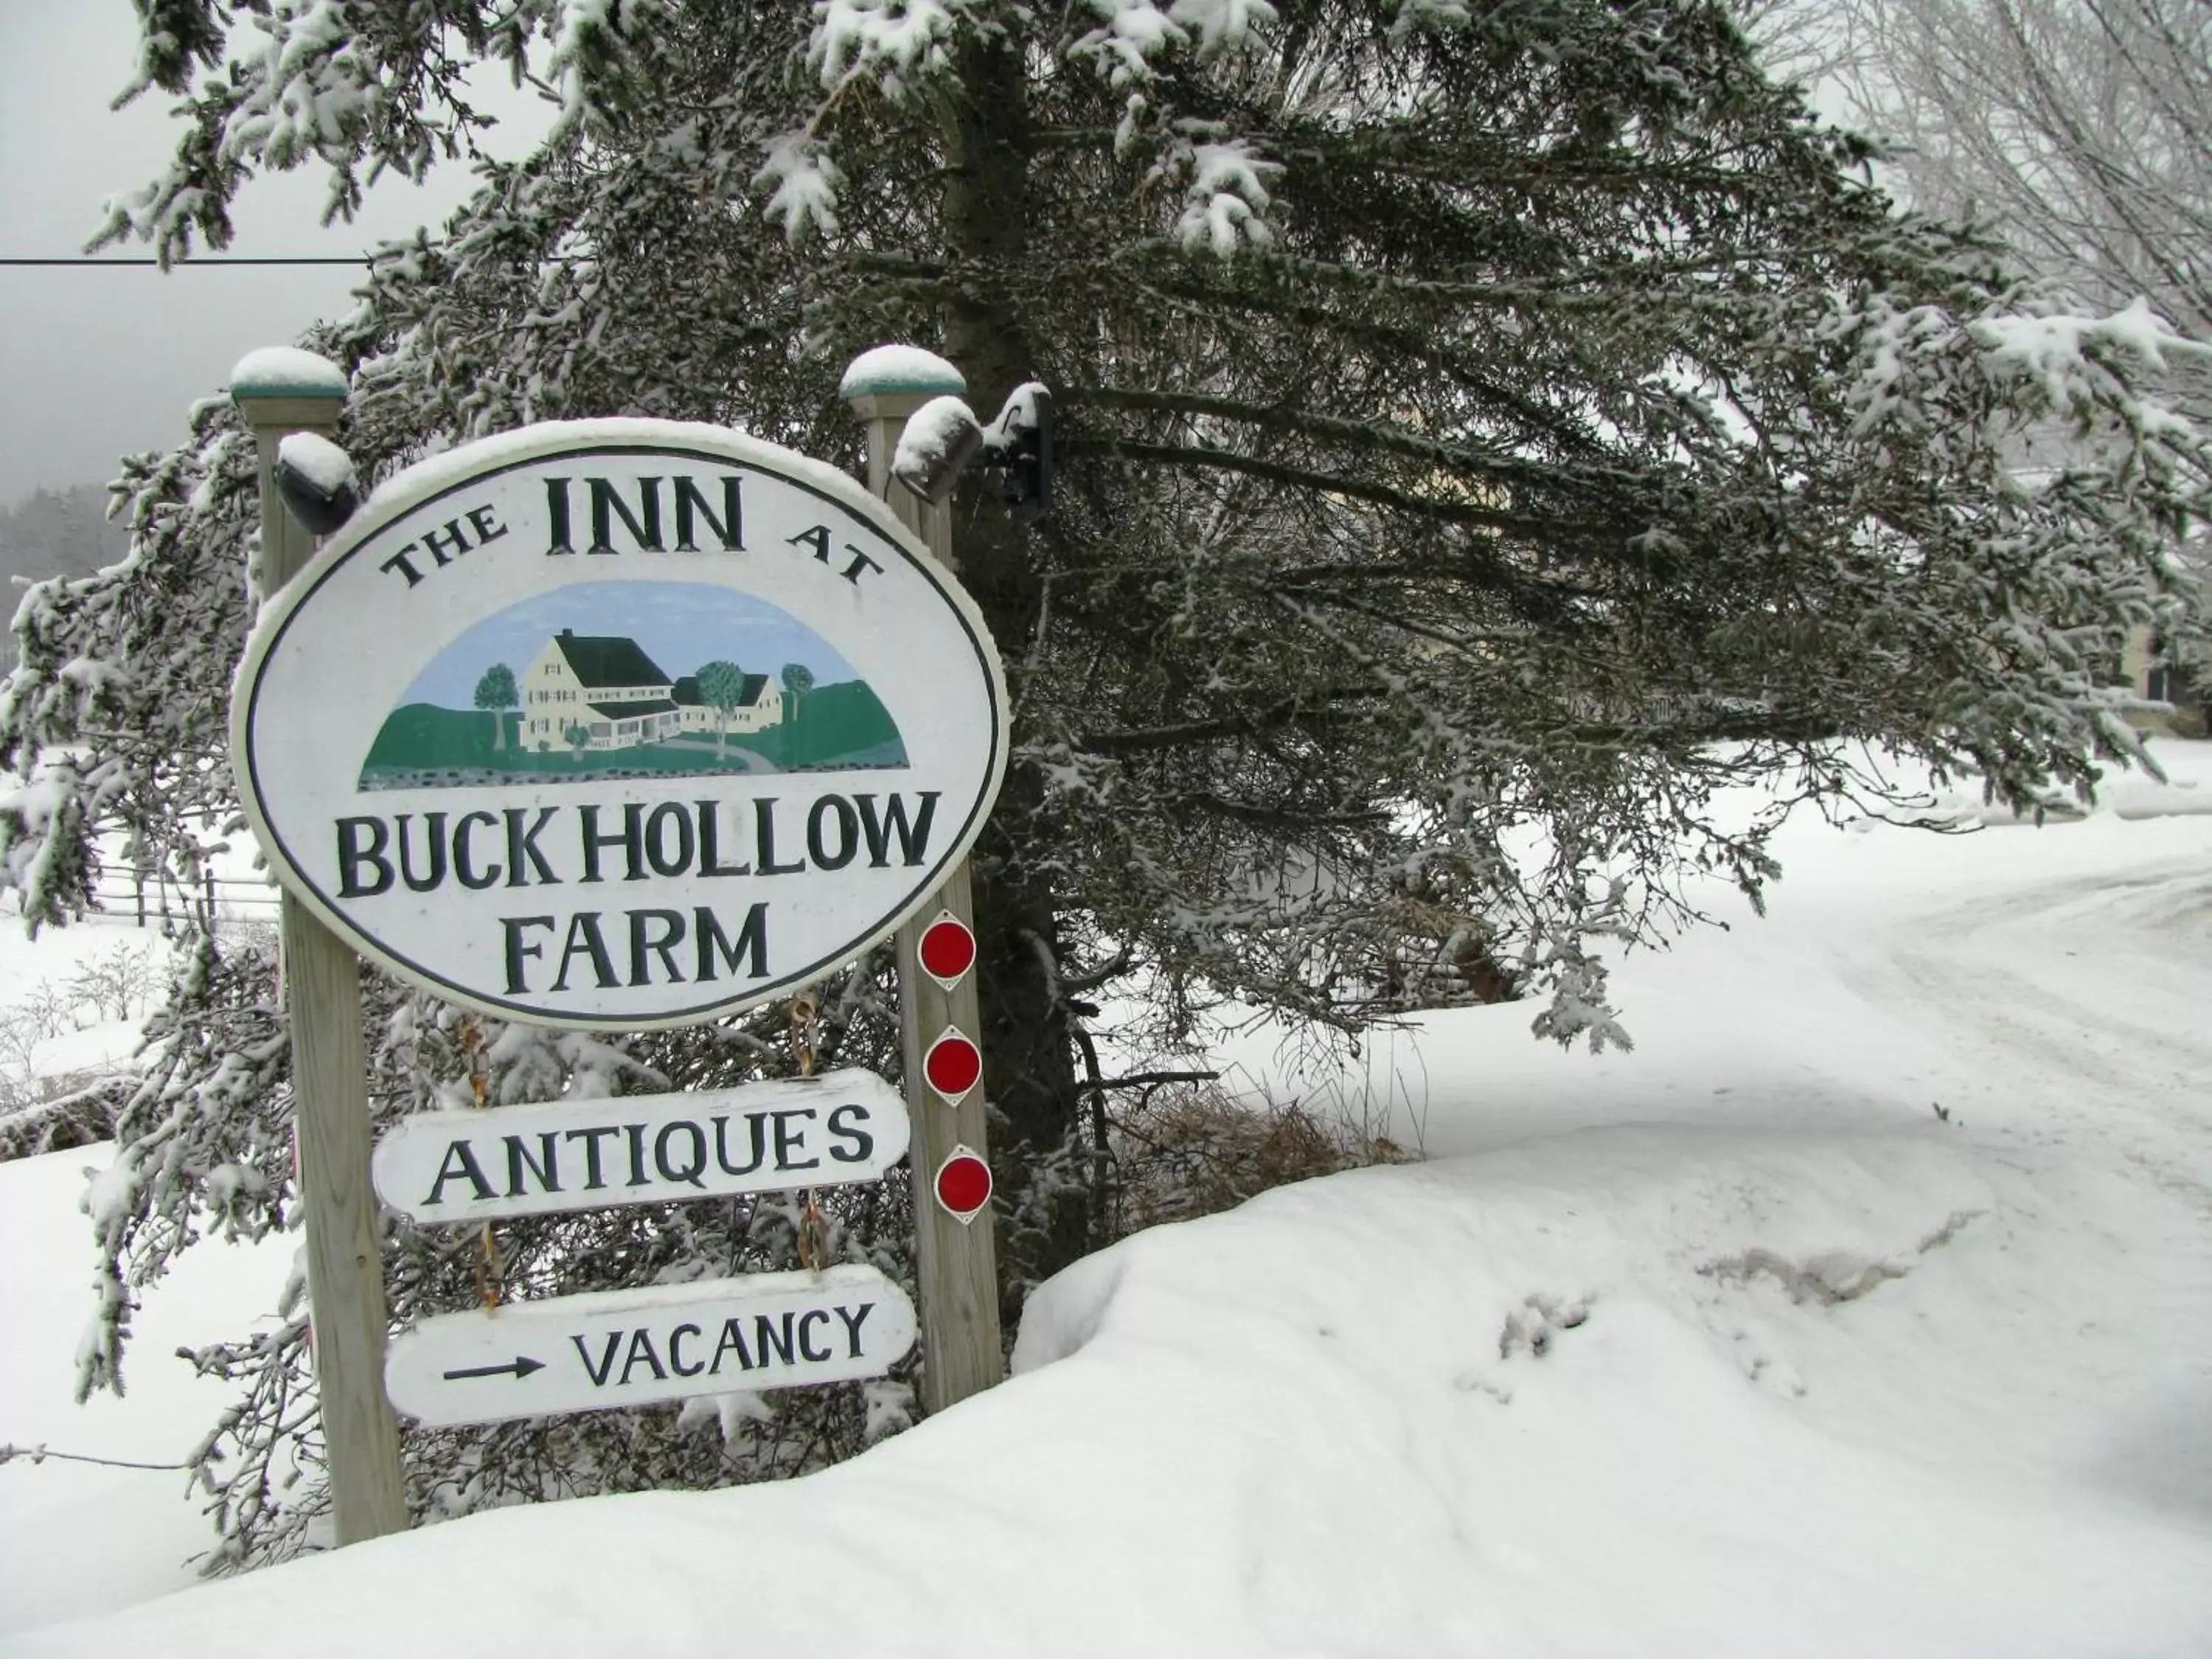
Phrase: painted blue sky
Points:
(680, 625)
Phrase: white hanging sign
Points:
(582, 1353)
(618, 724)
(641, 1149)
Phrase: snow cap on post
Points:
(286, 372)
(890, 382)
(283, 386)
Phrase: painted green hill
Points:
(843, 724)
(840, 725)
(421, 734)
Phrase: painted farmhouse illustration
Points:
(600, 691)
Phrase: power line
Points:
(304, 259)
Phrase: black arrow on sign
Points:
(523, 1366)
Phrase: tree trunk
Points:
(1029, 1063)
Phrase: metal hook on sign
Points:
(489, 1287)
(806, 1015)
(813, 1233)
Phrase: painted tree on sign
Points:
(723, 685)
(497, 693)
(1490, 437)
(578, 737)
(798, 681)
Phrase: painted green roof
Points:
(600, 659)
(631, 711)
(687, 690)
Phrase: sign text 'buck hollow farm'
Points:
(618, 724)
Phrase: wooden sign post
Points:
(279, 392)
(956, 1254)
(458, 743)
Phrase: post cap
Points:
(286, 372)
(900, 371)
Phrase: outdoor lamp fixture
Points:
(317, 482)
(943, 437)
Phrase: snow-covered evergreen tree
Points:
(1487, 431)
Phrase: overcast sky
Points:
(95, 363)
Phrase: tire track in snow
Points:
(2089, 997)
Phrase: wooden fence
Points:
(152, 897)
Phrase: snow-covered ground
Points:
(77, 1536)
(1731, 1345)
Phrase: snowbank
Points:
(99, 1049)
(1732, 1344)
(81, 1537)
(1635, 1391)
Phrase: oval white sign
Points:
(618, 724)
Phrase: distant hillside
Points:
(60, 532)
(52, 532)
